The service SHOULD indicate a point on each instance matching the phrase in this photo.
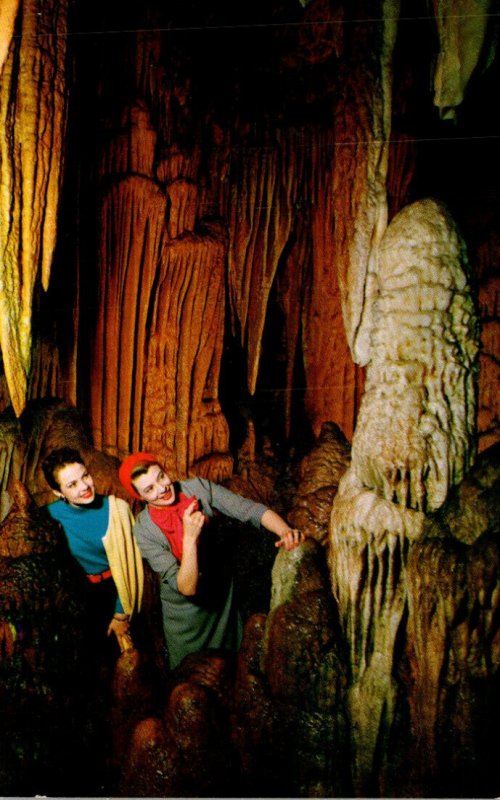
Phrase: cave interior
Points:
(262, 241)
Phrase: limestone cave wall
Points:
(271, 181)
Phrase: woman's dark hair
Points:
(140, 469)
(56, 460)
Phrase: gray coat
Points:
(211, 618)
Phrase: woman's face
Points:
(155, 487)
(75, 484)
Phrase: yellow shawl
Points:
(125, 560)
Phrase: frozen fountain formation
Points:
(415, 435)
(415, 438)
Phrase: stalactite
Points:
(362, 133)
(32, 121)
(45, 376)
(461, 30)
(281, 229)
(332, 379)
(132, 232)
(368, 550)
(183, 197)
(8, 13)
(155, 380)
(260, 221)
(175, 163)
(182, 416)
(148, 68)
(401, 171)
(12, 455)
(290, 287)
(131, 150)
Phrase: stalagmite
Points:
(416, 428)
(453, 579)
(319, 474)
(488, 418)
(32, 124)
(415, 438)
(41, 628)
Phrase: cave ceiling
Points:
(252, 154)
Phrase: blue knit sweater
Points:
(84, 528)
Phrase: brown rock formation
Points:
(318, 478)
(186, 752)
(488, 421)
(453, 578)
(290, 687)
(43, 737)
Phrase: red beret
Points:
(127, 467)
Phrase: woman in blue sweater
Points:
(98, 530)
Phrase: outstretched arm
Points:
(289, 538)
(237, 507)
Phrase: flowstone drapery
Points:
(32, 126)
(414, 440)
(160, 320)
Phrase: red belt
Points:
(101, 576)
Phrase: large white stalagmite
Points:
(415, 435)
(415, 438)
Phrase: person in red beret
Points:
(174, 535)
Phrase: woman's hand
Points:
(192, 523)
(120, 626)
(290, 539)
